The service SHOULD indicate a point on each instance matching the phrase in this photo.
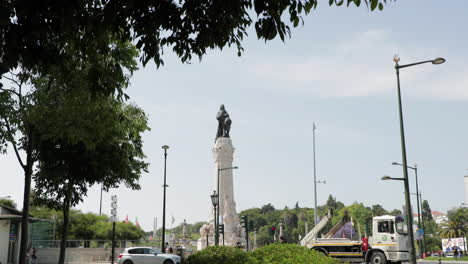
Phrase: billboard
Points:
(449, 244)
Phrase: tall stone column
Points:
(223, 154)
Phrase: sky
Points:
(336, 71)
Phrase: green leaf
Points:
(296, 22)
(380, 6)
(374, 4)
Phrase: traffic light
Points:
(245, 224)
(272, 230)
(221, 229)
(114, 208)
(244, 221)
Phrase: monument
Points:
(223, 154)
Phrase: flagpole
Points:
(315, 178)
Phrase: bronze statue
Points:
(224, 123)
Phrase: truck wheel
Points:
(378, 258)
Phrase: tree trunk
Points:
(25, 216)
(66, 214)
(27, 192)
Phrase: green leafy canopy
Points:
(38, 34)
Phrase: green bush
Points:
(288, 254)
(218, 255)
(272, 254)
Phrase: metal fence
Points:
(108, 243)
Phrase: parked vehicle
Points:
(146, 255)
(389, 242)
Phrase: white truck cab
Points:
(389, 236)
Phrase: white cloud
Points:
(362, 66)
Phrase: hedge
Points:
(272, 254)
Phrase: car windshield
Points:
(401, 226)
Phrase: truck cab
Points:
(390, 238)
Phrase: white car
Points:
(146, 255)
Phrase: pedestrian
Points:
(168, 248)
(455, 253)
(282, 240)
(33, 256)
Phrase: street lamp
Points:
(217, 218)
(418, 201)
(215, 202)
(396, 59)
(163, 242)
(386, 177)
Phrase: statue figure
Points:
(224, 123)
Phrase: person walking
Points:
(33, 256)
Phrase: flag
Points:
(126, 219)
(136, 222)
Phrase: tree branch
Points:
(10, 91)
(11, 80)
(14, 143)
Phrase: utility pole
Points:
(315, 177)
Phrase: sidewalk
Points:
(443, 261)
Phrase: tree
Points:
(16, 129)
(426, 211)
(333, 204)
(8, 203)
(456, 225)
(395, 212)
(20, 109)
(360, 214)
(267, 208)
(36, 34)
(108, 152)
(378, 210)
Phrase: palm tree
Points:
(452, 228)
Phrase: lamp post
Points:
(163, 236)
(215, 202)
(418, 201)
(219, 192)
(396, 59)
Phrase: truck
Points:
(388, 243)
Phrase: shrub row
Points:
(272, 254)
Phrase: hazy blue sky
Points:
(336, 71)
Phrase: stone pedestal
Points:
(223, 154)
